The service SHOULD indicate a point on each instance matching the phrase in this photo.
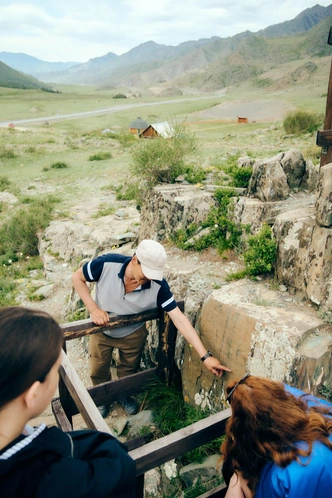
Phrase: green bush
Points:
(161, 160)
(119, 96)
(239, 177)
(19, 233)
(7, 153)
(260, 255)
(298, 122)
(4, 183)
(100, 156)
(59, 165)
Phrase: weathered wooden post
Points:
(167, 369)
(324, 138)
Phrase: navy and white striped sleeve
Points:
(165, 299)
(93, 269)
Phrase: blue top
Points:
(311, 480)
(108, 272)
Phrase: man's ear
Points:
(134, 260)
(30, 397)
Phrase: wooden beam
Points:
(81, 328)
(116, 389)
(81, 397)
(218, 492)
(173, 445)
(324, 138)
(60, 416)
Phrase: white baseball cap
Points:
(152, 257)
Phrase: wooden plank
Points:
(326, 155)
(81, 328)
(140, 486)
(113, 390)
(137, 442)
(81, 397)
(167, 369)
(173, 445)
(60, 416)
(218, 492)
(324, 138)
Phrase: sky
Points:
(78, 30)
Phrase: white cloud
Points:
(64, 30)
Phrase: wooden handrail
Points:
(177, 443)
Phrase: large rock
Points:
(254, 212)
(273, 179)
(293, 164)
(304, 257)
(173, 207)
(268, 181)
(252, 328)
(324, 198)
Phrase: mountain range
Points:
(206, 64)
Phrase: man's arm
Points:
(98, 316)
(185, 328)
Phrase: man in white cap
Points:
(125, 286)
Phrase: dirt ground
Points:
(260, 110)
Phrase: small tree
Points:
(162, 160)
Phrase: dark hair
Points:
(266, 424)
(31, 342)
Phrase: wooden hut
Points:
(137, 126)
(163, 129)
(242, 120)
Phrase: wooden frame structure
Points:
(324, 138)
(75, 398)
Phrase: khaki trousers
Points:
(130, 353)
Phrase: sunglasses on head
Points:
(239, 382)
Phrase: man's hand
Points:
(100, 317)
(215, 367)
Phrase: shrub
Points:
(58, 165)
(100, 156)
(239, 177)
(223, 232)
(298, 122)
(119, 96)
(260, 257)
(7, 153)
(4, 183)
(19, 234)
(128, 192)
(161, 160)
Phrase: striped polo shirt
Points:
(108, 272)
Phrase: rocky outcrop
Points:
(173, 207)
(304, 259)
(324, 197)
(253, 328)
(254, 212)
(273, 179)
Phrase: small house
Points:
(163, 129)
(137, 126)
(242, 120)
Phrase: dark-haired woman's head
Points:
(31, 343)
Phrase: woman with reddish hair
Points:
(278, 441)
